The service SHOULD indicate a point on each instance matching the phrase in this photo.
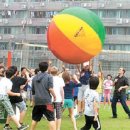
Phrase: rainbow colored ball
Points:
(75, 35)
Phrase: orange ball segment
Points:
(75, 35)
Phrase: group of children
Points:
(6, 91)
(60, 85)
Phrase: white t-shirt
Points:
(58, 84)
(30, 81)
(5, 85)
(90, 96)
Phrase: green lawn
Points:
(121, 123)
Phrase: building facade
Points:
(23, 27)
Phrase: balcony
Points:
(23, 22)
(46, 6)
(45, 21)
(59, 5)
(36, 38)
(14, 6)
(41, 38)
(116, 22)
(120, 39)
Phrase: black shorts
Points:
(39, 110)
(90, 121)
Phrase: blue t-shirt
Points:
(76, 90)
(85, 78)
(68, 89)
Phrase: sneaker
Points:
(82, 128)
(114, 117)
(7, 127)
(77, 116)
(23, 127)
(80, 113)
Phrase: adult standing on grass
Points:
(42, 89)
(121, 84)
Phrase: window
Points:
(115, 65)
(118, 30)
(7, 30)
(111, 14)
(20, 14)
(128, 13)
(37, 30)
(3, 45)
(20, 0)
(38, 0)
(122, 47)
(6, 14)
(37, 14)
(2, 0)
(37, 48)
(49, 14)
(123, 13)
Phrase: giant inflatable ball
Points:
(75, 35)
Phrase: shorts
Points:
(29, 94)
(68, 103)
(58, 109)
(5, 102)
(21, 106)
(107, 93)
(89, 121)
(81, 92)
(39, 110)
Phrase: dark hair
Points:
(36, 71)
(43, 66)
(23, 68)
(14, 68)
(109, 75)
(93, 82)
(2, 71)
(1, 67)
(9, 73)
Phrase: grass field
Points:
(121, 123)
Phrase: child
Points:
(5, 90)
(100, 85)
(107, 89)
(59, 91)
(17, 102)
(68, 95)
(91, 106)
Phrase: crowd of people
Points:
(50, 91)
